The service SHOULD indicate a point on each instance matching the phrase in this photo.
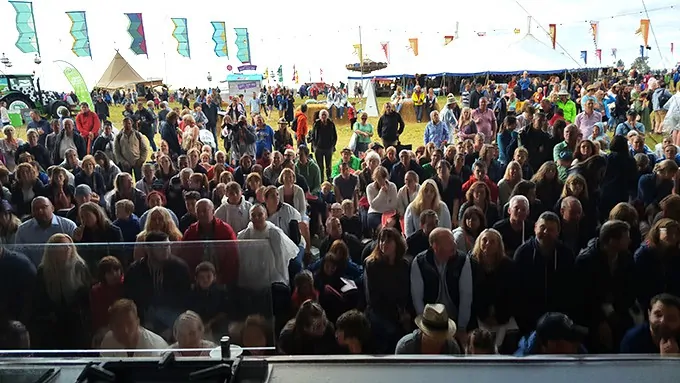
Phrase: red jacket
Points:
(227, 269)
(102, 296)
(88, 123)
(493, 188)
(302, 128)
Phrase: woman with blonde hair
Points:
(467, 129)
(189, 332)
(494, 293)
(657, 262)
(575, 186)
(190, 133)
(513, 175)
(95, 227)
(654, 187)
(124, 188)
(427, 198)
(88, 176)
(61, 301)
(408, 192)
(159, 220)
(291, 193)
(9, 146)
(25, 189)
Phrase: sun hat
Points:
(558, 326)
(563, 92)
(450, 99)
(435, 322)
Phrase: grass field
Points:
(413, 132)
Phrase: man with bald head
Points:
(576, 232)
(222, 254)
(442, 274)
(41, 227)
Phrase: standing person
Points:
(88, 124)
(430, 101)
(418, 98)
(587, 119)
(130, 149)
(568, 106)
(450, 114)
(659, 99)
(300, 125)
(324, 139)
(68, 139)
(437, 131)
(290, 106)
(475, 96)
(145, 122)
(264, 137)
(485, 120)
(390, 126)
(4, 114)
(102, 109)
(364, 131)
(210, 109)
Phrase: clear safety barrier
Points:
(140, 299)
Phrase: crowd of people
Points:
(519, 227)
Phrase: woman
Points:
(494, 293)
(253, 184)
(292, 194)
(526, 189)
(654, 187)
(165, 170)
(427, 199)
(586, 149)
(459, 169)
(398, 98)
(309, 333)
(657, 263)
(107, 169)
(146, 184)
(290, 106)
(96, 228)
(217, 171)
(90, 177)
(9, 224)
(450, 190)
(548, 184)
(124, 189)
(104, 293)
(408, 192)
(9, 146)
(505, 138)
(387, 285)
(61, 298)
(60, 193)
(364, 131)
(576, 187)
(189, 332)
(382, 197)
(619, 182)
(494, 170)
(159, 220)
(254, 335)
(513, 175)
(472, 223)
(25, 189)
(479, 195)
(467, 129)
(283, 139)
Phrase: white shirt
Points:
(147, 341)
(282, 218)
(412, 221)
(380, 201)
(267, 261)
(4, 115)
(237, 216)
(404, 198)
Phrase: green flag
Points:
(77, 82)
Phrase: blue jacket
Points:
(653, 277)
(504, 140)
(651, 193)
(264, 140)
(638, 340)
(129, 227)
(529, 346)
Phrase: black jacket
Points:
(101, 109)
(353, 244)
(39, 152)
(210, 111)
(169, 134)
(537, 143)
(496, 289)
(21, 207)
(81, 147)
(390, 126)
(95, 182)
(324, 136)
(145, 119)
(399, 171)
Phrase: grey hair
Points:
(571, 200)
(522, 199)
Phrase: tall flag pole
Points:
(552, 30)
(219, 37)
(27, 42)
(243, 45)
(181, 34)
(136, 31)
(80, 34)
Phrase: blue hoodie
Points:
(129, 227)
(529, 346)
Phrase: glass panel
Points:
(71, 306)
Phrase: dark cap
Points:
(376, 146)
(631, 112)
(558, 326)
(83, 191)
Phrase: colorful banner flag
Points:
(584, 56)
(413, 45)
(643, 30)
(671, 48)
(77, 82)
(27, 41)
(359, 51)
(280, 73)
(294, 70)
(296, 78)
(181, 34)
(81, 37)
(219, 37)
(243, 45)
(385, 45)
(598, 54)
(517, 31)
(447, 39)
(481, 34)
(136, 31)
(552, 31)
(266, 73)
(594, 30)
(614, 50)
(321, 74)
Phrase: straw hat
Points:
(450, 99)
(435, 322)
(563, 92)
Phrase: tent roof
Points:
(244, 77)
(118, 74)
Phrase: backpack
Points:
(664, 97)
(294, 124)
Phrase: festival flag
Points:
(296, 78)
(598, 54)
(481, 34)
(517, 31)
(584, 56)
(280, 73)
(642, 51)
(219, 37)
(81, 37)
(27, 42)
(321, 74)
(266, 73)
(136, 31)
(614, 50)
(594, 30)
(447, 39)
(243, 45)
(552, 31)
(77, 82)
(413, 46)
(294, 70)
(643, 30)
(671, 48)
(385, 45)
(181, 34)
(359, 51)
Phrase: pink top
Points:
(485, 123)
(585, 122)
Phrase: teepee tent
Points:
(118, 74)
(371, 101)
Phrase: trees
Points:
(640, 64)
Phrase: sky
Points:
(314, 39)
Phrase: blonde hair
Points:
(126, 206)
(477, 249)
(462, 121)
(572, 179)
(418, 204)
(168, 226)
(512, 164)
(62, 281)
(88, 159)
(284, 172)
(184, 318)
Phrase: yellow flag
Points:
(414, 45)
(358, 50)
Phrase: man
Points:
(420, 240)
(556, 334)
(145, 121)
(660, 335)
(236, 209)
(17, 281)
(273, 171)
(287, 219)
(485, 120)
(353, 332)
(264, 137)
(630, 124)
(194, 161)
(524, 84)
(127, 334)
(300, 125)
(405, 164)
(547, 108)
(36, 149)
(418, 98)
(347, 157)
(545, 274)
(606, 275)
(567, 106)
(587, 119)
(129, 112)
(475, 96)
(40, 228)
(105, 140)
(210, 109)
(345, 184)
(437, 131)
(390, 126)
(50, 140)
(576, 229)
(208, 228)
(254, 104)
(101, 108)
(82, 194)
(518, 228)
(88, 124)
(163, 112)
(68, 139)
(130, 150)
(563, 153)
(536, 141)
(660, 98)
(442, 274)
(435, 334)
(590, 95)
(335, 232)
(41, 125)
(448, 115)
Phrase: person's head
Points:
(428, 195)
(323, 115)
(380, 175)
(521, 155)
(478, 193)
(405, 157)
(123, 182)
(513, 172)
(442, 244)
(205, 212)
(547, 229)
(110, 271)
(479, 170)
(518, 208)
(387, 108)
(258, 216)
(287, 177)
(664, 317)
(326, 187)
(615, 236)
(42, 210)
(188, 330)
(481, 342)
(575, 186)
(556, 334)
(348, 208)
(641, 162)
(638, 143)
(311, 320)
(571, 209)
(664, 234)
(124, 322)
(334, 228)
(586, 148)
(391, 153)
(589, 106)
(127, 124)
(124, 209)
(390, 245)
(92, 216)
(666, 169)
(255, 332)
(571, 133)
(353, 331)
(483, 103)
(304, 283)
(157, 247)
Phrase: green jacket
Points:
(569, 109)
(311, 173)
(354, 163)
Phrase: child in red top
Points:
(352, 115)
(304, 290)
(103, 294)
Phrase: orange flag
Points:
(643, 30)
(552, 30)
(447, 39)
(414, 45)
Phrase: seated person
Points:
(435, 334)
(210, 301)
(188, 330)
(555, 334)
(660, 335)
(127, 334)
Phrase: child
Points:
(127, 221)
(481, 342)
(105, 292)
(304, 290)
(521, 155)
(209, 300)
(326, 194)
(190, 199)
(352, 114)
(350, 221)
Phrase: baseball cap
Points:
(558, 326)
(83, 191)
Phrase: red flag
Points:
(386, 49)
(447, 39)
(598, 54)
(552, 30)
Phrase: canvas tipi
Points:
(118, 74)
